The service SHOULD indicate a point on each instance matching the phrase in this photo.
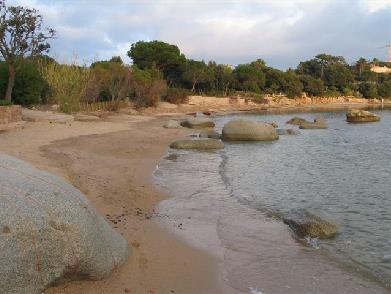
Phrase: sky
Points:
(281, 32)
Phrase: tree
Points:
(368, 90)
(338, 75)
(163, 56)
(21, 35)
(312, 86)
(249, 77)
(275, 80)
(326, 59)
(384, 89)
(293, 87)
(223, 78)
(110, 80)
(196, 72)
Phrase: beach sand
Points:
(112, 163)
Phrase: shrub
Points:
(29, 88)
(368, 90)
(68, 83)
(384, 89)
(147, 87)
(5, 102)
(176, 96)
(110, 80)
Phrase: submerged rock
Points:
(360, 116)
(288, 132)
(319, 123)
(304, 223)
(247, 130)
(49, 232)
(200, 144)
(297, 121)
(210, 134)
(198, 123)
(172, 124)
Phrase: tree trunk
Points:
(11, 82)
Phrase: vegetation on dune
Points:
(161, 72)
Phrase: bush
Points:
(68, 83)
(30, 88)
(147, 87)
(384, 89)
(368, 90)
(5, 102)
(176, 96)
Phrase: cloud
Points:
(281, 32)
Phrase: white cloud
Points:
(228, 31)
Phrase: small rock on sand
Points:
(198, 123)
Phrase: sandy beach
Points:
(112, 162)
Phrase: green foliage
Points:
(249, 78)
(196, 72)
(293, 87)
(384, 89)
(5, 102)
(68, 83)
(30, 87)
(176, 95)
(338, 76)
(156, 54)
(311, 85)
(109, 80)
(148, 87)
(275, 81)
(368, 90)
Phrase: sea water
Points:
(231, 202)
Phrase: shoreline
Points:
(255, 251)
(113, 164)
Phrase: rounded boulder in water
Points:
(247, 130)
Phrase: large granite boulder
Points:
(210, 134)
(247, 130)
(318, 123)
(198, 123)
(172, 124)
(304, 224)
(200, 144)
(360, 116)
(49, 232)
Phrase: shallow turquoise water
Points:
(342, 173)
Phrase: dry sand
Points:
(112, 163)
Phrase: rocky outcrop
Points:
(361, 116)
(49, 232)
(200, 144)
(287, 132)
(247, 130)
(319, 123)
(198, 123)
(304, 223)
(210, 134)
(172, 124)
